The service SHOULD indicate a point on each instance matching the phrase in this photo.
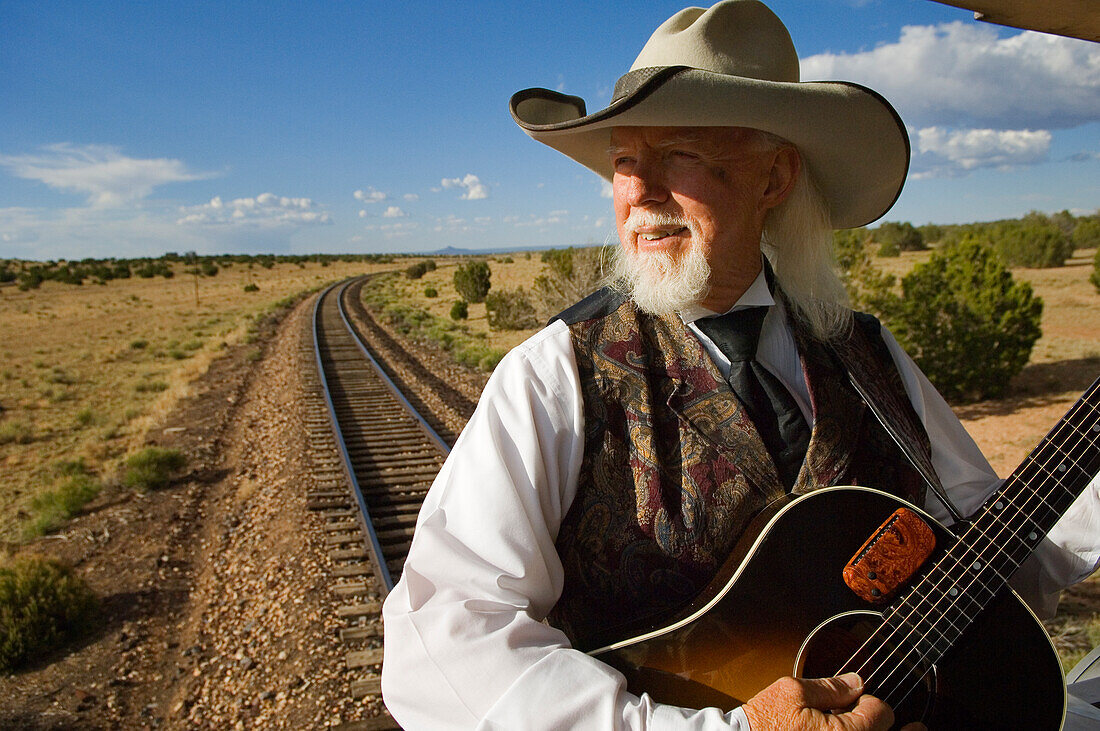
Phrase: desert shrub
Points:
(251, 288)
(931, 233)
(431, 292)
(151, 387)
(1086, 234)
(71, 467)
(1095, 276)
(460, 310)
(416, 271)
(463, 346)
(406, 319)
(208, 268)
(472, 281)
(570, 275)
(1034, 241)
(889, 249)
(51, 509)
(16, 432)
(965, 322)
(899, 237)
(138, 344)
(850, 246)
(869, 288)
(152, 468)
(478, 355)
(43, 605)
(429, 265)
(58, 375)
(511, 309)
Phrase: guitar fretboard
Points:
(1000, 536)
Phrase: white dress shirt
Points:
(465, 644)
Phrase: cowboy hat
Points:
(734, 65)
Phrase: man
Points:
(610, 467)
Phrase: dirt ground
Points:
(217, 614)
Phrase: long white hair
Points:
(798, 241)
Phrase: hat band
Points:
(632, 81)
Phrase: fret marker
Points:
(953, 591)
(1032, 536)
(1096, 427)
(998, 505)
(977, 566)
(1062, 467)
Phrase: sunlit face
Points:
(676, 188)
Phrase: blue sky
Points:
(135, 128)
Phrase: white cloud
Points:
(394, 230)
(554, 217)
(104, 174)
(394, 212)
(370, 195)
(945, 152)
(606, 191)
(475, 189)
(958, 74)
(266, 209)
(411, 197)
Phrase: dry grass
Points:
(521, 272)
(86, 370)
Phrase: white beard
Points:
(662, 283)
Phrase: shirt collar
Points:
(757, 295)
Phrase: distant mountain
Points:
(455, 251)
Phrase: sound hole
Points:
(891, 671)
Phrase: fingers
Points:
(797, 703)
(868, 713)
(828, 694)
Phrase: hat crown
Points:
(737, 38)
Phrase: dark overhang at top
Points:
(1074, 18)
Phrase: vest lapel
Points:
(706, 405)
(838, 420)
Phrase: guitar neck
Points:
(1004, 532)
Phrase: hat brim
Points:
(851, 139)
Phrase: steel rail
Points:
(378, 559)
(428, 430)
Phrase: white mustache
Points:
(642, 219)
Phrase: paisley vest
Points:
(674, 470)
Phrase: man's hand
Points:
(795, 703)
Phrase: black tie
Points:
(768, 402)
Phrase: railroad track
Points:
(373, 457)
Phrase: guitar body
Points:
(780, 607)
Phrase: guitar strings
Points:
(967, 548)
(1005, 494)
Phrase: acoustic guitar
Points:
(952, 646)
